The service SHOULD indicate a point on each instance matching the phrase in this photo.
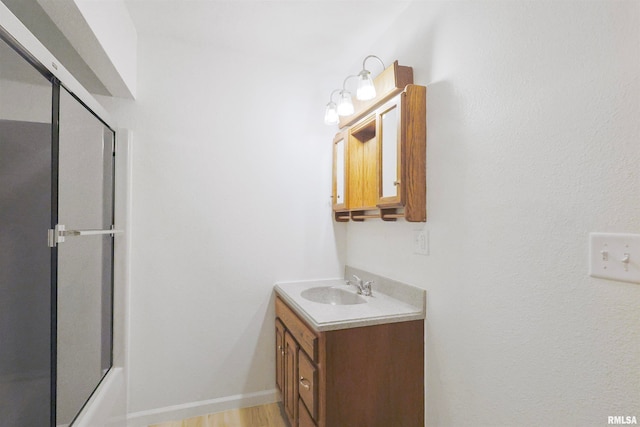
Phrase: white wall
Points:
(533, 142)
(231, 192)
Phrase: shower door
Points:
(25, 259)
(83, 241)
(56, 302)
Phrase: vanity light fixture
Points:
(366, 91)
(331, 112)
(345, 105)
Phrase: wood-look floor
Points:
(256, 416)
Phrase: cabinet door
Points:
(390, 154)
(279, 356)
(290, 378)
(339, 191)
(413, 152)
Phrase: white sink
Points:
(332, 295)
(313, 300)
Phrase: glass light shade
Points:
(366, 89)
(331, 114)
(345, 106)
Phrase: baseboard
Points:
(107, 406)
(194, 409)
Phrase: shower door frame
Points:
(18, 37)
(55, 189)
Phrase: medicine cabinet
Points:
(379, 168)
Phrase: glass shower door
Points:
(25, 260)
(84, 240)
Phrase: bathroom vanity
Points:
(344, 359)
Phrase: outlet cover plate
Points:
(607, 255)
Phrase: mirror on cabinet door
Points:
(339, 182)
(389, 148)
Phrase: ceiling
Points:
(311, 32)
(329, 35)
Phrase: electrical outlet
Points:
(615, 256)
(421, 242)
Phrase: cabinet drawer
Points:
(301, 332)
(307, 383)
(304, 419)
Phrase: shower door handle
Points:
(60, 232)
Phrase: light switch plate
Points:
(615, 256)
(421, 242)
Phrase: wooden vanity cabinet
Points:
(366, 376)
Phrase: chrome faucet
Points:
(364, 288)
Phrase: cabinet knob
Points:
(305, 383)
(396, 182)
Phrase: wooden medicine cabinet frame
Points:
(367, 176)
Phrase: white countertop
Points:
(380, 308)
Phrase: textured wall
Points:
(533, 142)
(231, 189)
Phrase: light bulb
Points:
(345, 106)
(331, 114)
(366, 89)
